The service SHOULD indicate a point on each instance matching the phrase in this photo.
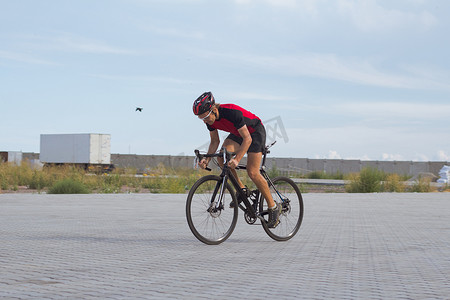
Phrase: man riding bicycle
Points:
(247, 135)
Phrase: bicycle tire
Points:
(210, 227)
(292, 214)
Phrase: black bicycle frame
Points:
(225, 175)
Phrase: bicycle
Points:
(212, 221)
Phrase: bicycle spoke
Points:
(286, 193)
(211, 224)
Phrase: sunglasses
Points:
(206, 117)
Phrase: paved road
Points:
(136, 246)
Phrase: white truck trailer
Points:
(89, 150)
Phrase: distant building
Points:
(11, 156)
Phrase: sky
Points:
(335, 79)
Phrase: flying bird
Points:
(139, 109)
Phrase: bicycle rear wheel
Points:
(286, 193)
(211, 224)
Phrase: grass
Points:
(367, 181)
(324, 175)
(274, 172)
(445, 188)
(421, 185)
(371, 180)
(68, 186)
(393, 183)
(69, 179)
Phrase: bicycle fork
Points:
(217, 202)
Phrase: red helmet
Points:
(204, 103)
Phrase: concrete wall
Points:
(290, 165)
(143, 163)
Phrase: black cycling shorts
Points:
(258, 139)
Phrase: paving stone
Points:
(138, 246)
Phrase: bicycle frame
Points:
(227, 175)
(250, 207)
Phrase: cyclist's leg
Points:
(253, 165)
(254, 157)
(231, 146)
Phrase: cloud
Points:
(332, 66)
(308, 8)
(242, 2)
(365, 15)
(79, 44)
(263, 97)
(174, 32)
(380, 109)
(160, 79)
(363, 142)
(25, 58)
(369, 15)
(281, 3)
(91, 46)
(387, 156)
(443, 156)
(332, 154)
(70, 43)
(43, 45)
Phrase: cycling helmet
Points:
(204, 103)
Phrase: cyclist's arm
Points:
(215, 141)
(213, 146)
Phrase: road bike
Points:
(212, 205)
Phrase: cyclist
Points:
(247, 135)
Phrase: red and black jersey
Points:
(233, 117)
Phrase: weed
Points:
(421, 185)
(316, 175)
(446, 187)
(324, 175)
(393, 183)
(68, 186)
(367, 181)
(273, 172)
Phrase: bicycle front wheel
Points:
(287, 194)
(210, 218)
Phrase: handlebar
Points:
(222, 153)
(218, 154)
(227, 155)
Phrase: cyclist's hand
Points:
(203, 163)
(233, 163)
